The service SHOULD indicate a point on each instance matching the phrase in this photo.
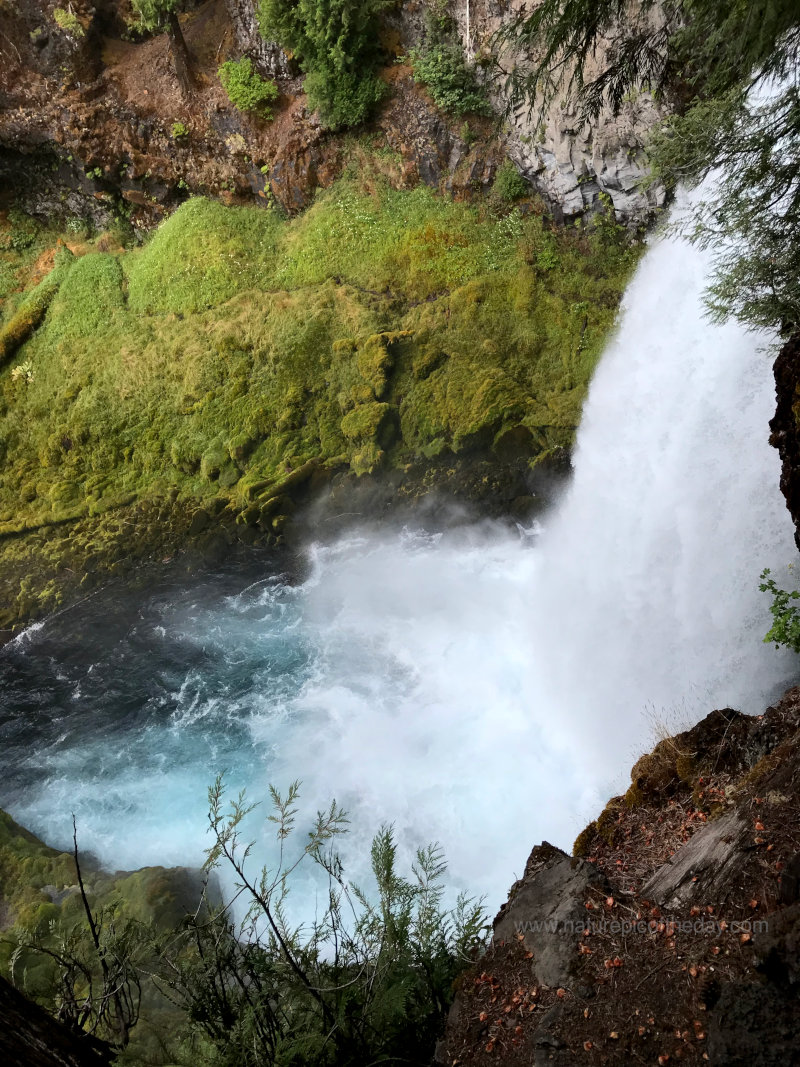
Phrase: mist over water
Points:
(479, 687)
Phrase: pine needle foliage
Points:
(336, 43)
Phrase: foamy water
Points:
(483, 688)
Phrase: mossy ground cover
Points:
(39, 888)
(378, 329)
(42, 918)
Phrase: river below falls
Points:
(481, 687)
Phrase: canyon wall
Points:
(88, 116)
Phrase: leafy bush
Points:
(785, 629)
(245, 87)
(368, 980)
(179, 129)
(22, 233)
(336, 44)
(509, 185)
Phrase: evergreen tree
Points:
(336, 44)
(729, 69)
(158, 15)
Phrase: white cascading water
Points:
(479, 689)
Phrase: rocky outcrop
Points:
(267, 55)
(570, 161)
(549, 898)
(785, 425)
(88, 118)
(673, 934)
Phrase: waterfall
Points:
(478, 688)
(650, 565)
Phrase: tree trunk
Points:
(180, 55)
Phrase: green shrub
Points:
(785, 629)
(68, 21)
(369, 981)
(179, 130)
(440, 66)
(245, 87)
(343, 98)
(336, 43)
(22, 233)
(468, 135)
(509, 185)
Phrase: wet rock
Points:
(784, 426)
(547, 906)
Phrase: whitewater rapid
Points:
(482, 688)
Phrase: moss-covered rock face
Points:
(199, 373)
(39, 887)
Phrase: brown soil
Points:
(649, 997)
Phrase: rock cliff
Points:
(670, 936)
(572, 162)
(785, 425)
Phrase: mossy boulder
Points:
(241, 445)
(213, 461)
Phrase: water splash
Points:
(480, 688)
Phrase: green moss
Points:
(585, 841)
(686, 767)
(202, 256)
(608, 821)
(88, 299)
(68, 21)
(213, 461)
(32, 309)
(364, 421)
(236, 349)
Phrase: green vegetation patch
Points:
(509, 185)
(68, 21)
(236, 352)
(202, 256)
(440, 65)
(337, 45)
